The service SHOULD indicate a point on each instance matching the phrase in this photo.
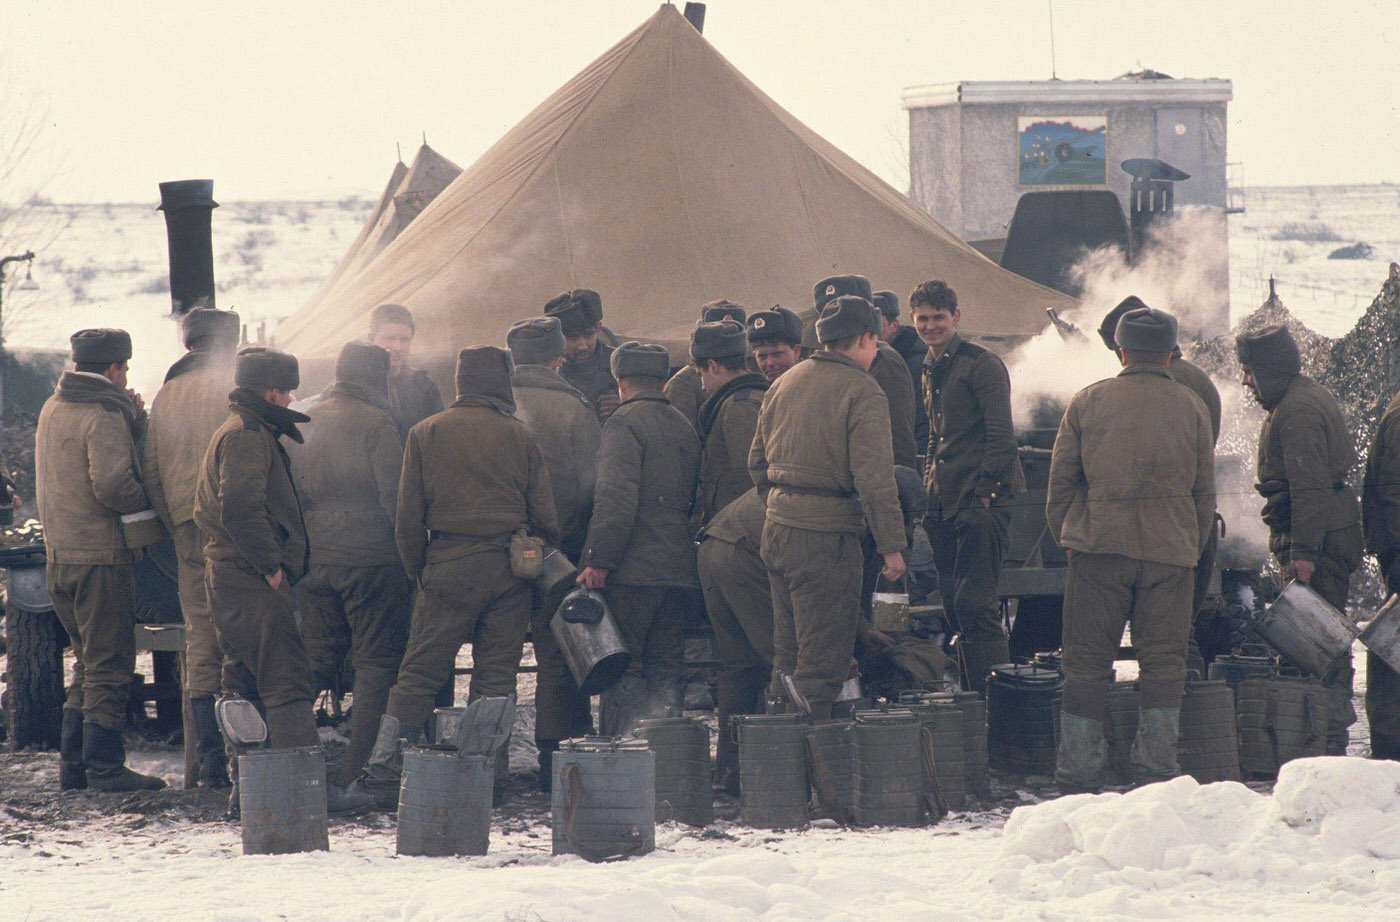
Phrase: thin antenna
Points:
(425, 139)
(1053, 74)
(399, 151)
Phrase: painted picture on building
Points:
(1062, 150)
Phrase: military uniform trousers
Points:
(561, 710)
(475, 599)
(739, 604)
(815, 579)
(363, 611)
(967, 551)
(649, 620)
(204, 661)
(264, 656)
(96, 604)
(1103, 593)
(1341, 555)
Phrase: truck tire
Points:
(34, 678)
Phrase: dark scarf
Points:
(75, 387)
(358, 392)
(281, 420)
(196, 359)
(709, 410)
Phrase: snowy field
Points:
(1324, 840)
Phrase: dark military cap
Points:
(1109, 326)
(718, 340)
(537, 341)
(1271, 350)
(836, 286)
(848, 315)
(637, 360)
(1144, 329)
(723, 309)
(364, 364)
(578, 310)
(485, 370)
(391, 313)
(100, 347)
(776, 325)
(266, 370)
(207, 327)
(887, 303)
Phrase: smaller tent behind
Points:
(386, 198)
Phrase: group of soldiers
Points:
(771, 482)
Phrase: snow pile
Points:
(1331, 829)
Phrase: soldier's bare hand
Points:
(592, 577)
(275, 580)
(894, 568)
(1302, 570)
(136, 399)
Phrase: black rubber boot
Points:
(213, 762)
(384, 770)
(371, 693)
(547, 750)
(104, 753)
(72, 773)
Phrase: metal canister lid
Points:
(891, 717)
(603, 744)
(771, 720)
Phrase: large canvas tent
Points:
(662, 178)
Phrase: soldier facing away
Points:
(355, 598)
(187, 410)
(566, 427)
(823, 461)
(256, 548)
(87, 478)
(729, 415)
(472, 477)
(1305, 453)
(587, 362)
(413, 396)
(972, 472)
(641, 547)
(1380, 516)
(684, 390)
(1131, 499)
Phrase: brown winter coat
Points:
(1133, 471)
(727, 424)
(347, 475)
(471, 475)
(685, 393)
(972, 445)
(822, 452)
(1199, 383)
(246, 503)
(1305, 443)
(565, 427)
(413, 397)
(86, 471)
(186, 412)
(642, 501)
(892, 374)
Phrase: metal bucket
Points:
(556, 579)
(682, 747)
(833, 746)
(889, 764)
(1207, 747)
(1308, 631)
(1279, 719)
(889, 609)
(444, 803)
(1021, 709)
(772, 770)
(590, 641)
(1382, 635)
(604, 798)
(282, 801)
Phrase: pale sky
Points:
(305, 99)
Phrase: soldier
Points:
(355, 598)
(906, 342)
(822, 458)
(472, 477)
(718, 350)
(641, 547)
(684, 390)
(885, 368)
(247, 508)
(775, 341)
(586, 360)
(566, 428)
(740, 608)
(972, 471)
(413, 396)
(1380, 517)
(87, 478)
(1131, 499)
(1305, 452)
(186, 412)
